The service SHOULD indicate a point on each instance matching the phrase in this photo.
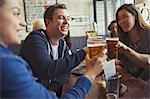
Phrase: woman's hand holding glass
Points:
(121, 47)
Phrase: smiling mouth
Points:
(18, 32)
(123, 26)
(64, 28)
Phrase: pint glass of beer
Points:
(95, 46)
(112, 49)
(91, 34)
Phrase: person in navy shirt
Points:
(47, 51)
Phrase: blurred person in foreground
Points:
(134, 47)
(16, 77)
(113, 28)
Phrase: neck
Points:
(3, 43)
(52, 37)
(134, 35)
(54, 41)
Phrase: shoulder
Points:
(35, 37)
(145, 33)
(12, 66)
(8, 60)
(39, 34)
(148, 31)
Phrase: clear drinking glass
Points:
(111, 96)
(111, 46)
(112, 86)
(95, 46)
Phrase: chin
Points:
(126, 30)
(17, 41)
(64, 33)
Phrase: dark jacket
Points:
(36, 50)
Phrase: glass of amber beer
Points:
(91, 34)
(95, 46)
(112, 49)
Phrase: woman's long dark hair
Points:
(68, 40)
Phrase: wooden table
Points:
(137, 88)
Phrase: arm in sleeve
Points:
(140, 58)
(80, 89)
(18, 83)
(35, 51)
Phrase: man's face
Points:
(60, 22)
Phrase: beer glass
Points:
(113, 86)
(112, 49)
(95, 46)
(91, 34)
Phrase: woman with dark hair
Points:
(134, 34)
(68, 40)
(113, 28)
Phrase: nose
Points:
(23, 23)
(66, 20)
(122, 20)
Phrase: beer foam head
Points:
(113, 39)
(94, 40)
(97, 44)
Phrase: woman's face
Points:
(126, 20)
(10, 23)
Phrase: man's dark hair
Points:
(50, 11)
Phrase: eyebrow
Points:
(16, 8)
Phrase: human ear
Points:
(47, 21)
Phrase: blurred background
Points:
(83, 14)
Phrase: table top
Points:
(136, 88)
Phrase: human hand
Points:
(121, 47)
(85, 49)
(95, 66)
(118, 62)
